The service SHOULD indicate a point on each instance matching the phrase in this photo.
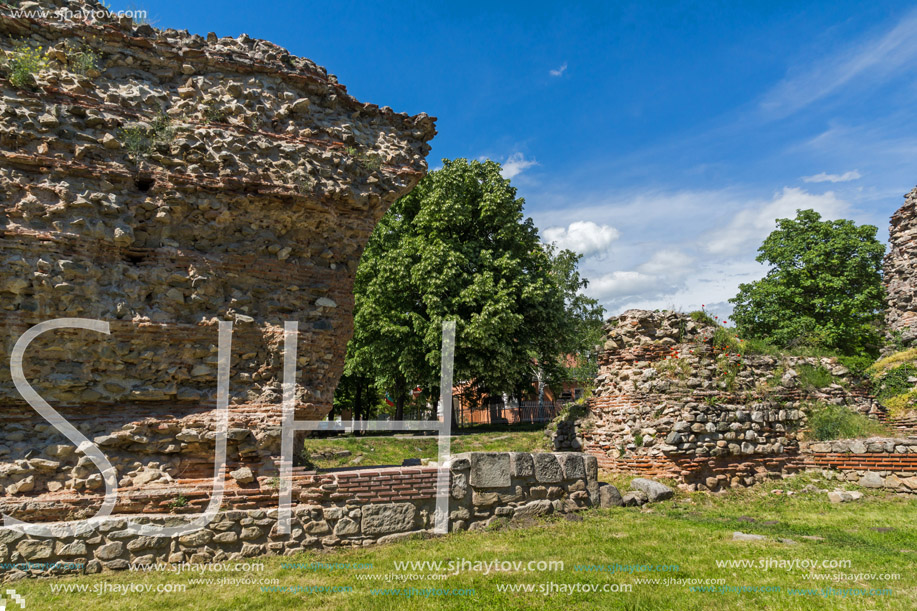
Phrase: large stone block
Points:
(523, 465)
(384, 519)
(572, 465)
(490, 469)
(654, 490)
(547, 468)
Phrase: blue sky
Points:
(660, 139)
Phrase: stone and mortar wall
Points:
(901, 271)
(878, 462)
(335, 510)
(669, 404)
(253, 205)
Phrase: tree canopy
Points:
(824, 286)
(458, 247)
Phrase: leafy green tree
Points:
(459, 248)
(824, 287)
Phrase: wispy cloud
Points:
(584, 237)
(676, 248)
(748, 228)
(559, 71)
(823, 177)
(872, 60)
(516, 164)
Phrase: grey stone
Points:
(871, 480)
(634, 498)
(76, 548)
(533, 508)
(490, 470)
(654, 490)
(572, 465)
(243, 475)
(383, 519)
(547, 468)
(609, 496)
(740, 536)
(35, 550)
(110, 551)
(346, 527)
(523, 465)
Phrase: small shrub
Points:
(902, 405)
(161, 130)
(828, 422)
(24, 63)
(895, 382)
(674, 368)
(702, 317)
(139, 141)
(638, 440)
(83, 60)
(369, 161)
(815, 377)
(858, 365)
(777, 378)
(303, 182)
(136, 142)
(728, 370)
(178, 501)
(890, 362)
(214, 112)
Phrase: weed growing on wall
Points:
(24, 63)
(827, 422)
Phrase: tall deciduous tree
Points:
(458, 247)
(824, 286)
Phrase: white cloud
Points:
(622, 285)
(516, 164)
(824, 177)
(748, 228)
(667, 263)
(675, 248)
(559, 71)
(872, 60)
(584, 237)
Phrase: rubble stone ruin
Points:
(163, 182)
(901, 272)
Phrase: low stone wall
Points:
(877, 462)
(338, 509)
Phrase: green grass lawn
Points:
(876, 535)
(393, 449)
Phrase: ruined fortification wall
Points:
(901, 272)
(669, 403)
(163, 182)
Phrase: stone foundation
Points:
(878, 462)
(334, 510)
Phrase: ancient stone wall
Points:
(877, 462)
(669, 402)
(163, 182)
(901, 272)
(335, 510)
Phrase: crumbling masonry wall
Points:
(668, 403)
(901, 272)
(172, 182)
